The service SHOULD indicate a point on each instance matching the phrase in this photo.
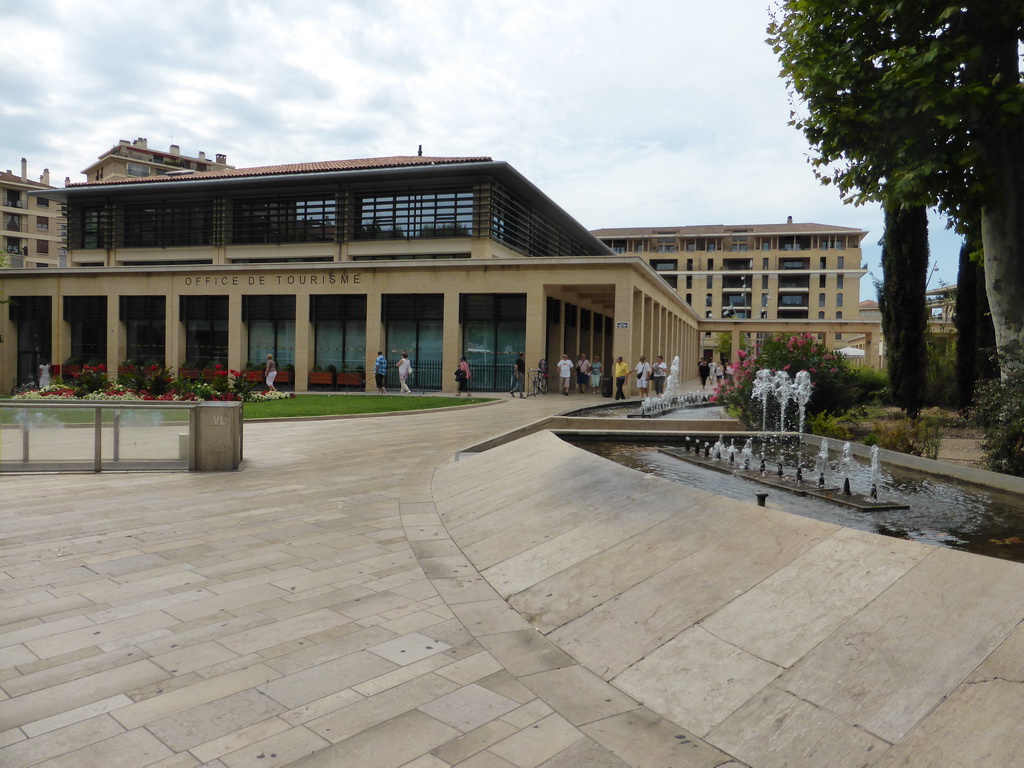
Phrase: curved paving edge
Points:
(591, 723)
(779, 640)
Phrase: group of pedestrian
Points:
(380, 372)
(588, 374)
(709, 369)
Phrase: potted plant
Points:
(351, 379)
(190, 369)
(71, 368)
(319, 377)
(253, 372)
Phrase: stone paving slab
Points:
(329, 605)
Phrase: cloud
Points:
(643, 113)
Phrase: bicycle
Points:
(537, 383)
(20, 388)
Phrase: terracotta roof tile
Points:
(13, 178)
(277, 170)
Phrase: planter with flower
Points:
(318, 377)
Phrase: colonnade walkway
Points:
(356, 596)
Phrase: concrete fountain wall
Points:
(779, 640)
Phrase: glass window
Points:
(764, 282)
(272, 337)
(136, 169)
(821, 281)
(839, 282)
(407, 215)
(821, 315)
(839, 316)
(839, 299)
(284, 220)
(162, 225)
(821, 299)
(841, 262)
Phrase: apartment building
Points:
(32, 229)
(785, 271)
(763, 272)
(135, 160)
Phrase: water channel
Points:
(960, 516)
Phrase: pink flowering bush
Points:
(834, 388)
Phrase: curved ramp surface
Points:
(780, 640)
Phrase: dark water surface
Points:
(959, 516)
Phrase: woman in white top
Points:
(404, 369)
(643, 375)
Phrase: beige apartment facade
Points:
(322, 265)
(135, 159)
(32, 228)
(763, 277)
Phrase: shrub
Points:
(918, 437)
(940, 379)
(93, 378)
(833, 382)
(871, 386)
(999, 409)
(827, 425)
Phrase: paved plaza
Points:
(363, 595)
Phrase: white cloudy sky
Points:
(625, 112)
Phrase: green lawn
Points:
(340, 405)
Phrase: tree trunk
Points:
(1002, 233)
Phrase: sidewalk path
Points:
(308, 610)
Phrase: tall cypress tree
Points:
(902, 302)
(966, 321)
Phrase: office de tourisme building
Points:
(323, 264)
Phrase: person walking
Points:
(462, 375)
(270, 372)
(380, 370)
(583, 368)
(643, 375)
(703, 370)
(404, 369)
(620, 372)
(44, 375)
(595, 375)
(520, 376)
(658, 375)
(565, 367)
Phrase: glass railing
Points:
(98, 436)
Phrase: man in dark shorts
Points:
(520, 375)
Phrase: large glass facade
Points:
(414, 323)
(87, 319)
(144, 320)
(168, 224)
(31, 315)
(415, 214)
(284, 220)
(271, 325)
(206, 330)
(493, 335)
(339, 328)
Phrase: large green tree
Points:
(919, 103)
(902, 302)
